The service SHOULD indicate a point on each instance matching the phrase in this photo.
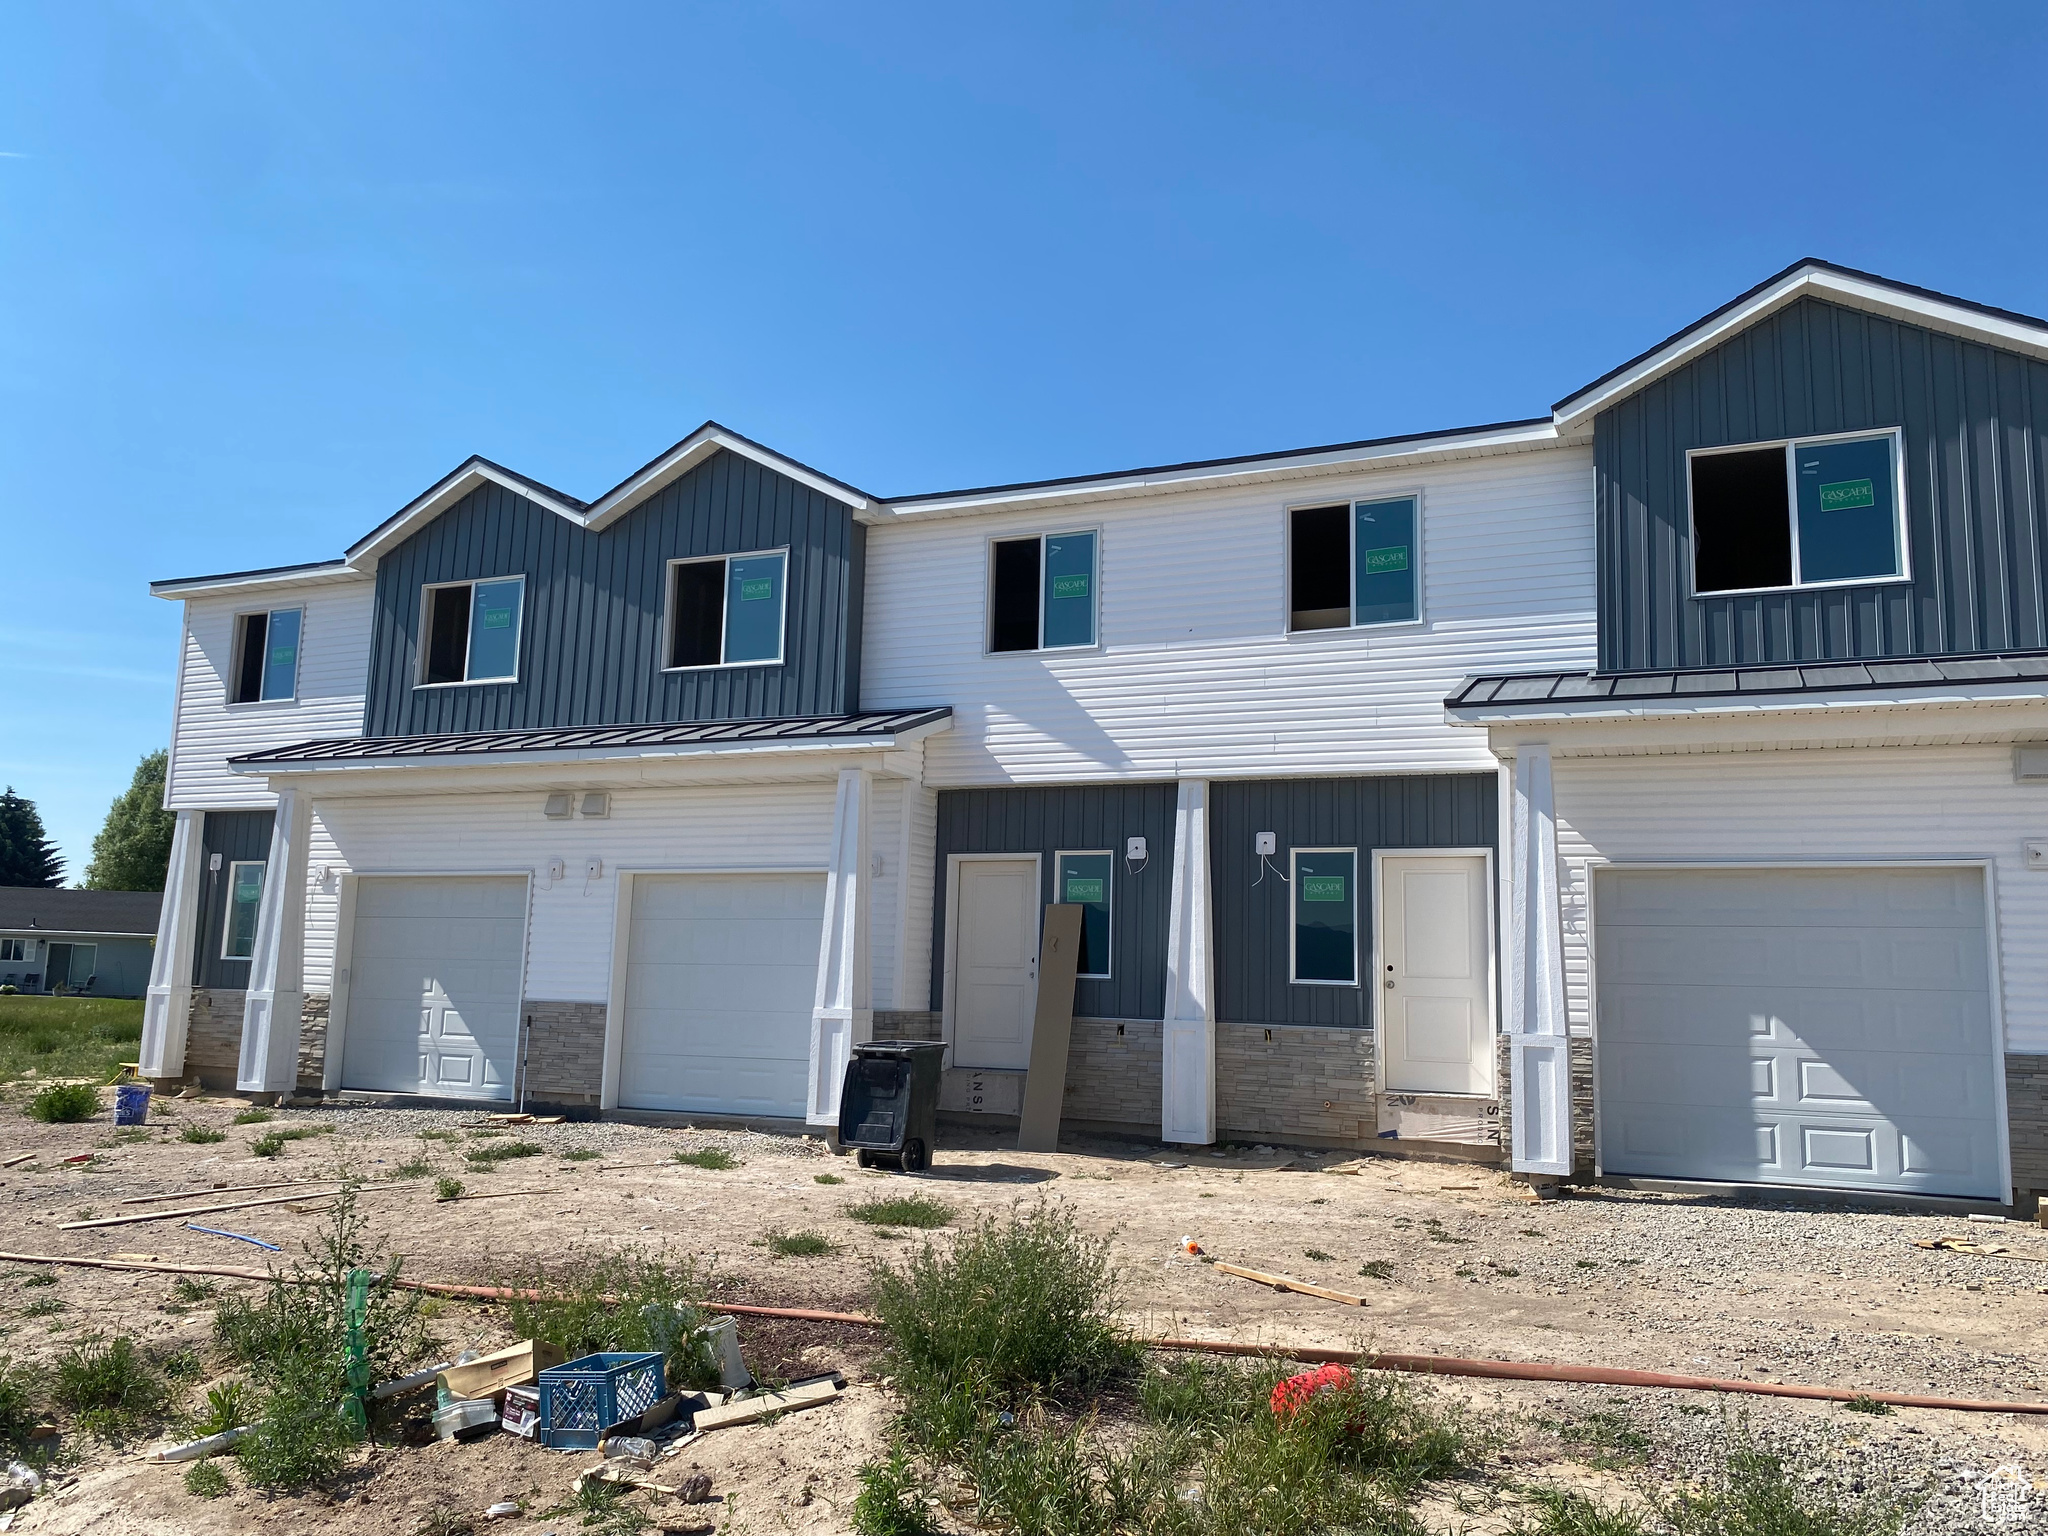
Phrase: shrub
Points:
(254, 1115)
(715, 1159)
(112, 1390)
(63, 1103)
(446, 1188)
(800, 1245)
(894, 1499)
(903, 1211)
(204, 1136)
(204, 1480)
(1018, 1305)
(628, 1300)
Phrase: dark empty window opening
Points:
(447, 634)
(697, 605)
(1741, 527)
(1319, 584)
(266, 665)
(1013, 597)
(249, 676)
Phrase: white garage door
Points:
(433, 994)
(1817, 1027)
(721, 977)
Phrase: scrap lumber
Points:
(1982, 1250)
(221, 1189)
(800, 1394)
(1288, 1283)
(18, 1158)
(210, 1210)
(490, 1375)
(1052, 1029)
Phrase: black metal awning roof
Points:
(875, 726)
(1609, 690)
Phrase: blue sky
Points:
(268, 271)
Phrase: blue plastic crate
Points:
(582, 1399)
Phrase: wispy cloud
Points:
(15, 154)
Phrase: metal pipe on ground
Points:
(1421, 1365)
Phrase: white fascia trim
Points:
(1279, 467)
(694, 750)
(67, 933)
(1861, 293)
(422, 509)
(691, 452)
(177, 590)
(1757, 704)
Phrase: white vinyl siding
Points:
(1196, 673)
(334, 662)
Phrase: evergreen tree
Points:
(133, 850)
(27, 856)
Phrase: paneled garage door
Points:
(1781, 1026)
(721, 977)
(434, 984)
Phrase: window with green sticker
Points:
(245, 900)
(1042, 592)
(1383, 563)
(1354, 564)
(266, 666)
(1325, 940)
(1085, 880)
(727, 610)
(471, 631)
(1815, 511)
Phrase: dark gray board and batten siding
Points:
(1976, 422)
(1076, 819)
(592, 626)
(1252, 907)
(235, 836)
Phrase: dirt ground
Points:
(1456, 1261)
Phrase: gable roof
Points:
(26, 907)
(1809, 277)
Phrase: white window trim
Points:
(988, 590)
(26, 946)
(1109, 900)
(1294, 979)
(1351, 506)
(1786, 446)
(238, 640)
(227, 918)
(423, 639)
(668, 612)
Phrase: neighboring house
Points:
(658, 802)
(97, 943)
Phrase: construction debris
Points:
(1288, 1283)
(18, 1159)
(240, 1237)
(489, 1375)
(194, 1450)
(744, 1410)
(213, 1210)
(1984, 1250)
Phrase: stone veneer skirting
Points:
(2026, 1111)
(213, 1038)
(1582, 1103)
(313, 1014)
(900, 1025)
(564, 1053)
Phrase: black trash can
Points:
(889, 1104)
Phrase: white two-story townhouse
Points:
(1407, 785)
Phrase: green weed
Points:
(1377, 1269)
(40, 1277)
(1560, 1513)
(1318, 1255)
(894, 1499)
(628, 1300)
(270, 1143)
(205, 1480)
(45, 1306)
(826, 1178)
(446, 1188)
(19, 1408)
(228, 1406)
(204, 1136)
(187, 1289)
(254, 1115)
(800, 1245)
(920, 1211)
(1864, 1403)
(113, 1390)
(65, 1103)
(413, 1168)
(715, 1159)
(67, 1036)
(581, 1154)
(483, 1159)
(1754, 1494)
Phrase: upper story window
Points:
(1353, 564)
(266, 664)
(1041, 592)
(1810, 512)
(470, 631)
(727, 610)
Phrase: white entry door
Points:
(721, 978)
(995, 962)
(434, 986)
(1436, 973)
(1798, 1026)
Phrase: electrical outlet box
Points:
(593, 869)
(1265, 844)
(1134, 848)
(558, 869)
(2037, 854)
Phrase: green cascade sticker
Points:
(1070, 586)
(756, 589)
(1083, 891)
(1393, 558)
(281, 655)
(1844, 495)
(1322, 887)
(497, 618)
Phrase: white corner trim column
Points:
(167, 1008)
(845, 1014)
(277, 982)
(1539, 1048)
(1188, 1037)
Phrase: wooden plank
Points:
(1052, 1028)
(806, 1394)
(17, 1159)
(209, 1210)
(1287, 1283)
(223, 1189)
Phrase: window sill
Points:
(1311, 636)
(727, 666)
(1048, 650)
(468, 682)
(1295, 982)
(1804, 586)
(261, 703)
